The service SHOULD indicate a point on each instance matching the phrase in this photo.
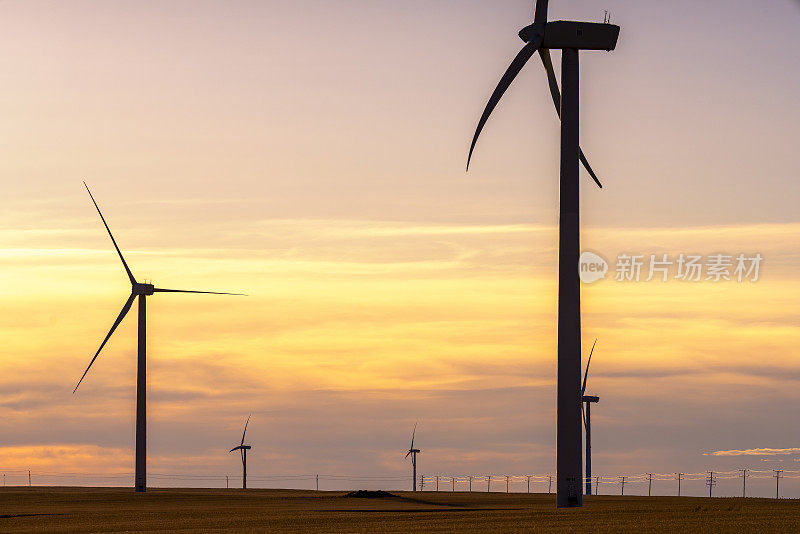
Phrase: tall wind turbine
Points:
(243, 448)
(141, 290)
(413, 452)
(570, 37)
(587, 422)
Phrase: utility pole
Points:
(29, 478)
(622, 489)
(549, 483)
(454, 483)
(226, 482)
(529, 483)
(710, 482)
(437, 482)
(744, 482)
(649, 484)
(597, 485)
(317, 482)
(679, 476)
(507, 478)
(470, 483)
(778, 477)
(488, 483)
(421, 482)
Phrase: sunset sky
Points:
(311, 154)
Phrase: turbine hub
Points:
(143, 289)
(529, 33)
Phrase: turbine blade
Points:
(589, 168)
(586, 374)
(245, 428)
(540, 12)
(406, 456)
(544, 54)
(583, 412)
(159, 290)
(127, 270)
(120, 317)
(516, 66)
(412, 436)
(555, 92)
(235, 448)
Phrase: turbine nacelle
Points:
(569, 34)
(143, 289)
(591, 398)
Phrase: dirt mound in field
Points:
(368, 494)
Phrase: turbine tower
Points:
(587, 423)
(140, 290)
(243, 448)
(413, 452)
(570, 37)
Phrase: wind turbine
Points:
(570, 37)
(587, 423)
(413, 452)
(140, 290)
(243, 448)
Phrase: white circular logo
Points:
(591, 267)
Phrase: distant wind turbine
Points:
(587, 423)
(570, 37)
(413, 452)
(243, 448)
(141, 290)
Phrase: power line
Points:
(312, 481)
(744, 482)
(710, 482)
(778, 482)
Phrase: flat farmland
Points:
(64, 509)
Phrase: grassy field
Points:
(205, 510)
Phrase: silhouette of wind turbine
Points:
(587, 422)
(570, 37)
(413, 452)
(243, 448)
(141, 290)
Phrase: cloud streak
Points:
(755, 452)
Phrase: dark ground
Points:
(64, 509)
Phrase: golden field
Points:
(66, 509)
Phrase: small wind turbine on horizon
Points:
(570, 37)
(413, 452)
(140, 290)
(587, 422)
(243, 448)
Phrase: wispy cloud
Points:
(755, 452)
